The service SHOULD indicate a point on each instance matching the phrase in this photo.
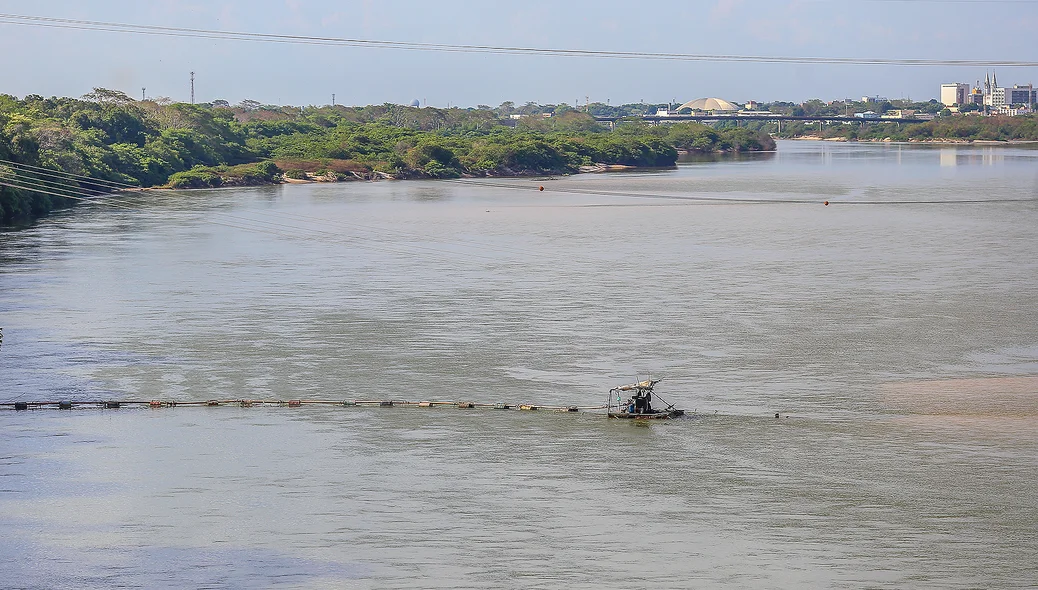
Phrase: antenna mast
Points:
(192, 88)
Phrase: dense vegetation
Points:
(959, 128)
(815, 107)
(108, 136)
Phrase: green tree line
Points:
(961, 128)
(108, 136)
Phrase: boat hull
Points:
(653, 416)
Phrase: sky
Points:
(59, 62)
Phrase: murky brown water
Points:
(898, 340)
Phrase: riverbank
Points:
(113, 141)
(324, 178)
(995, 130)
(932, 141)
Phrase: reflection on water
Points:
(895, 340)
(699, 158)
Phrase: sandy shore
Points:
(976, 396)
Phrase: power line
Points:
(947, 1)
(62, 173)
(277, 227)
(57, 179)
(155, 30)
(54, 185)
(701, 199)
(103, 195)
(123, 198)
(377, 239)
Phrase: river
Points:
(893, 330)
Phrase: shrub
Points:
(195, 178)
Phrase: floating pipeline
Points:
(292, 403)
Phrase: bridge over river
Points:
(657, 119)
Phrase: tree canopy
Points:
(108, 136)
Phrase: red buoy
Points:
(826, 203)
(541, 189)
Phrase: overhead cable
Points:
(59, 184)
(276, 227)
(699, 199)
(155, 30)
(127, 199)
(61, 173)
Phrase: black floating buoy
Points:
(111, 405)
(776, 414)
(385, 404)
(64, 405)
(21, 406)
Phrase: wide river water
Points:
(894, 331)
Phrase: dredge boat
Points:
(639, 405)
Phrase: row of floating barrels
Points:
(293, 403)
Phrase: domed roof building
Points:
(710, 104)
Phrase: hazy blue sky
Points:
(69, 63)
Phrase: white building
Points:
(898, 114)
(1001, 97)
(709, 104)
(956, 93)
(1010, 111)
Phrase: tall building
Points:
(977, 95)
(989, 95)
(954, 94)
(1016, 95)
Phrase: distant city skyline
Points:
(69, 61)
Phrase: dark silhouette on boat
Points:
(639, 405)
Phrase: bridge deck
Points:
(659, 118)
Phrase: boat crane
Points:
(639, 405)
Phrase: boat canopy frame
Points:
(639, 404)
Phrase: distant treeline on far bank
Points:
(107, 135)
